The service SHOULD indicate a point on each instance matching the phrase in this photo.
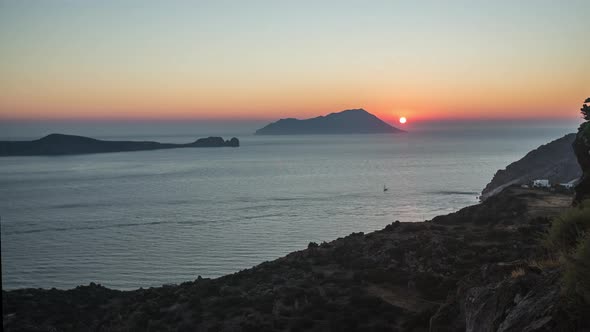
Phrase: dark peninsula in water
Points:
(60, 144)
(355, 121)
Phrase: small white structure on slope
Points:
(541, 183)
(570, 185)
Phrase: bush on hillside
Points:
(567, 230)
(577, 271)
(570, 237)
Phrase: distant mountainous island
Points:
(355, 121)
(60, 144)
(554, 161)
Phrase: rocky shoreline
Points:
(479, 269)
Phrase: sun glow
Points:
(403, 120)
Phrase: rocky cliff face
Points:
(555, 161)
(495, 298)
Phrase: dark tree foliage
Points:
(586, 109)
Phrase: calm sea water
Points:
(129, 220)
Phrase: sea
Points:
(148, 218)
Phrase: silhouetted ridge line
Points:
(354, 121)
(61, 144)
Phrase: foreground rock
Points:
(554, 161)
(459, 272)
(357, 121)
(60, 144)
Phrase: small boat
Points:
(385, 188)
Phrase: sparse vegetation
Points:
(544, 264)
(577, 272)
(519, 272)
(569, 238)
(567, 230)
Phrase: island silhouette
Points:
(61, 144)
(354, 121)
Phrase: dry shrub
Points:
(519, 272)
(546, 263)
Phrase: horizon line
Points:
(386, 118)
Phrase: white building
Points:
(541, 183)
(569, 185)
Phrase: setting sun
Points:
(402, 119)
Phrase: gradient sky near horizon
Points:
(272, 59)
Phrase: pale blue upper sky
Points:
(272, 58)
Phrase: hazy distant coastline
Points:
(60, 144)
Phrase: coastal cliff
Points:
(554, 161)
(60, 144)
(356, 121)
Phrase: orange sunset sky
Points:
(425, 60)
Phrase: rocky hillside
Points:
(555, 161)
(473, 270)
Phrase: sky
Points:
(259, 60)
